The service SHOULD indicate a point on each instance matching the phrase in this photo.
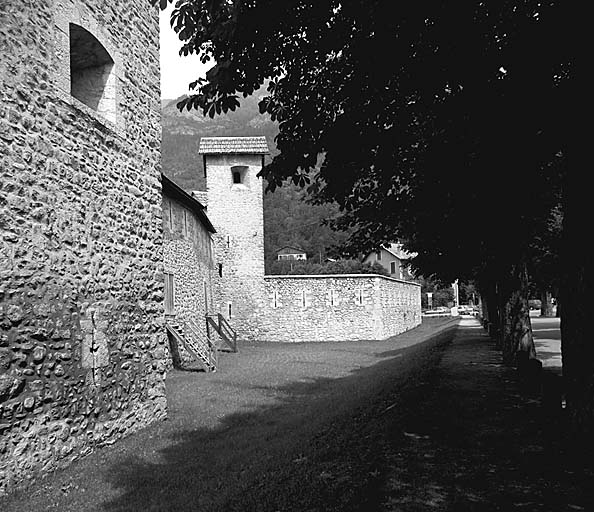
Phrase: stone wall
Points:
(236, 210)
(188, 255)
(338, 307)
(400, 306)
(82, 345)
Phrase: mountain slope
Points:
(182, 132)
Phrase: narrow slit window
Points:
(360, 297)
(236, 177)
(392, 267)
(229, 310)
(220, 270)
(169, 294)
(378, 255)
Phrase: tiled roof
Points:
(172, 189)
(297, 249)
(236, 145)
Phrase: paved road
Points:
(547, 339)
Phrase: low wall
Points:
(338, 307)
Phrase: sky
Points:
(176, 72)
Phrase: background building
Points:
(393, 258)
(290, 253)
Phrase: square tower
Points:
(235, 207)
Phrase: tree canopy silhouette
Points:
(441, 124)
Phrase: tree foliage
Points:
(440, 124)
(418, 118)
(329, 267)
(422, 103)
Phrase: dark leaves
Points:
(421, 131)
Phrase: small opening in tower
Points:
(92, 76)
(238, 174)
(220, 270)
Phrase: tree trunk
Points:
(517, 339)
(546, 304)
(576, 346)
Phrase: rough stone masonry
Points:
(82, 345)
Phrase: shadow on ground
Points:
(318, 447)
(438, 425)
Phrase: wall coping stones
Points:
(338, 276)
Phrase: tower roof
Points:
(233, 145)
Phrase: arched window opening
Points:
(92, 74)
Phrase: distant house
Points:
(393, 259)
(290, 253)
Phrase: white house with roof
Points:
(393, 258)
(290, 253)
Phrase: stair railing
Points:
(195, 343)
(223, 329)
(205, 343)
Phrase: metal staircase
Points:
(188, 335)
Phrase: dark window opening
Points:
(392, 267)
(92, 77)
(220, 270)
(238, 174)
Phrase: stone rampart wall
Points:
(338, 307)
(82, 344)
(400, 306)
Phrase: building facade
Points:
(393, 258)
(188, 267)
(290, 253)
(82, 346)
